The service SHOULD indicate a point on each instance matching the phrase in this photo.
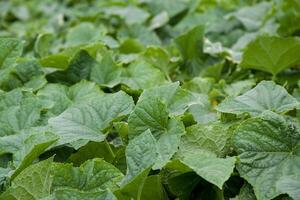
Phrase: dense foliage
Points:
(149, 100)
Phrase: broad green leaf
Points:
(67, 194)
(56, 93)
(33, 183)
(28, 69)
(11, 49)
(201, 148)
(25, 147)
(11, 98)
(208, 166)
(190, 45)
(268, 148)
(62, 96)
(159, 58)
(265, 96)
(106, 72)
(88, 120)
(176, 99)
(172, 7)
(151, 114)
(35, 83)
(130, 14)
(140, 33)
(141, 154)
(213, 137)
(253, 17)
(199, 85)
(271, 54)
(142, 75)
(25, 115)
(148, 114)
(239, 87)
(289, 185)
(168, 143)
(92, 176)
(83, 33)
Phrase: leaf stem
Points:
(109, 148)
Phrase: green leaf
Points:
(141, 154)
(268, 148)
(246, 193)
(83, 33)
(213, 137)
(148, 114)
(92, 176)
(92, 150)
(159, 58)
(25, 147)
(25, 115)
(11, 49)
(142, 75)
(151, 114)
(32, 184)
(253, 21)
(106, 72)
(131, 14)
(43, 43)
(265, 96)
(62, 96)
(88, 120)
(153, 189)
(58, 61)
(176, 99)
(271, 54)
(190, 45)
(66, 194)
(199, 150)
(79, 68)
(289, 185)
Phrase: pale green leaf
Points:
(88, 120)
(290, 185)
(33, 183)
(176, 99)
(10, 50)
(265, 96)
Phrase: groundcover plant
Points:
(149, 100)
